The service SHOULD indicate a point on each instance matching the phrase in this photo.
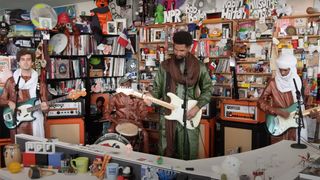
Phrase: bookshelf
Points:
(87, 67)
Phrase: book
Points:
(310, 173)
(5, 71)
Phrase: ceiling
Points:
(27, 4)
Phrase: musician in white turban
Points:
(280, 93)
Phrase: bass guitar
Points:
(25, 110)
(175, 106)
(277, 125)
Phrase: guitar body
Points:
(277, 125)
(22, 114)
(177, 113)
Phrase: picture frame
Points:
(121, 24)
(112, 28)
(243, 93)
(158, 35)
(45, 23)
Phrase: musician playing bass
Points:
(183, 68)
(26, 79)
(280, 94)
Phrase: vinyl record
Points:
(43, 15)
(58, 43)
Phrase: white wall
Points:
(85, 6)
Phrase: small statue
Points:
(159, 15)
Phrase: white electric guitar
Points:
(175, 106)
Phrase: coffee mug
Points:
(80, 164)
(112, 171)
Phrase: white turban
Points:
(286, 83)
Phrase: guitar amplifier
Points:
(241, 111)
(65, 109)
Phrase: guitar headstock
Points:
(75, 94)
(125, 90)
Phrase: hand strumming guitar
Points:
(44, 106)
(282, 113)
(192, 112)
(12, 105)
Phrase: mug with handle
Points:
(80, 164)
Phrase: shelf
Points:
(105, 77)
(65, 79)
(86, 56)
(219, 57)
(299, 36)
(254, 41)
(162, 25)
(249, 61)
(157, 42)
(243, 99)
(253, 85)
(212, 39)
(258, 74)
(300, 16)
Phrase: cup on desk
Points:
(112, 171)
(80, 164)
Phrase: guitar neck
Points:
(308, 111)
(154, 100)
(38, 106)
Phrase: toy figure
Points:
(170, 4)
(159, 15)
(101, 15)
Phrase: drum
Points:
(113, 140)
(127, 129)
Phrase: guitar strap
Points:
(170, 126)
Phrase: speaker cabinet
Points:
(69, 130)
(206, 138)
(235, 137)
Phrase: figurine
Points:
(159, 15)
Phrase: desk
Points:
(280, 160)
(6, 175)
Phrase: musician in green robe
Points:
(182, 68)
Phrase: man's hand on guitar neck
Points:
(192, 112)
(44, 106)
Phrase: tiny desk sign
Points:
(40, 147)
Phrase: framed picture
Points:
(158, 35)
(111, 27)
(243, 93)
(121, 24)
(45, 23)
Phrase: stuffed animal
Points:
(159, 15)
(101, 15)
(229, 169)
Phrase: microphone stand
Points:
(299, 120)
(185, 108)
(16, 102)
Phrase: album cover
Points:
(62, 69)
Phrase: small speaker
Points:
(70, 130)
(206, 138)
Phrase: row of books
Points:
(223, 66)
(65, 68)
